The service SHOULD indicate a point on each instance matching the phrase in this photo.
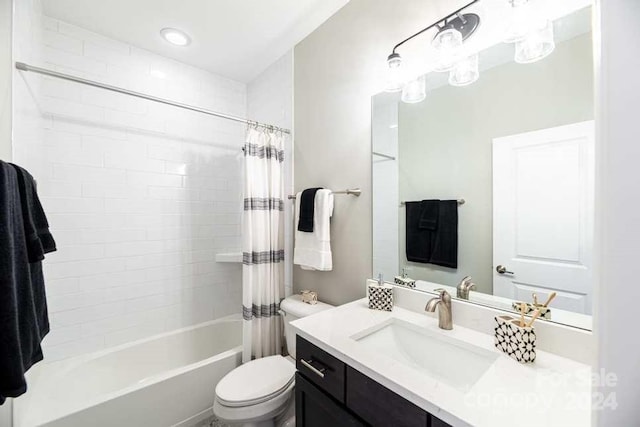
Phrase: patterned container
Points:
(545, 312)
(515, 341)
(380, 297)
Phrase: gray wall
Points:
(337, 69)
(5, 79)
(445, 148)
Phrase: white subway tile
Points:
(88, 174)
(157, 179)
(59, 303)
(81, 33)
(73, 205)
(113, 191)
(74, 62)
(66, 253)
(62, 42)
(61, 286)
(132, 248)
(117, 161)
(83, 268)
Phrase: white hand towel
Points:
(313, 250)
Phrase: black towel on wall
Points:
(23, 309)
(429, 215)
(429, 240)
(418, 240)
(445, 245)
(307, 207)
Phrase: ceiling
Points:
(233, 38)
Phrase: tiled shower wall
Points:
(140, 196)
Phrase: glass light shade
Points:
(536, 45)
(447, 44)
(520, 22)
(464, 72)
(395, 74)
(415, 91)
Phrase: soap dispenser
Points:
(380, 294)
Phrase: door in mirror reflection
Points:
(543, 215)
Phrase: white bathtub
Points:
(166, 380)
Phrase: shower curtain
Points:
(262, 243)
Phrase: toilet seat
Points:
(256, 382)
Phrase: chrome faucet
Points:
(462, 291)
(443, 302)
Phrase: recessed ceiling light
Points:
(175, 37)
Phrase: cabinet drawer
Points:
(321, 368)
(379, 406)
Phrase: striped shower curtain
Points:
(262, 243)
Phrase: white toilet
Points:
(260, 393)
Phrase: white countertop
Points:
(553, 391)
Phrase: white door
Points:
(543, 187)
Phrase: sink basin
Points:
(446, 359)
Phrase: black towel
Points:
(445, 246)
(418, 240)
(429, 214)
(432, 241)
(39, 239)
(23, 310)
(307, 207)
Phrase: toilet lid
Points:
(256, 381)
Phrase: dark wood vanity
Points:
(331, 393)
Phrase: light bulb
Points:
(447, 44)
(536, 45)
(395, 74)
(521, 21)
(464, 72)
(415, 91)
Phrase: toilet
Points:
(260, 393)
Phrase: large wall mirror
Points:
(486, 189)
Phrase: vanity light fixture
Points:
(520, 20)
(395, 80)
(453, 29)
(175, 37)
(465, 71)
(536, 45)
(447, 43)
(415, 91)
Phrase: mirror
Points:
(494, 180)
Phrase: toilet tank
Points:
(293, 308)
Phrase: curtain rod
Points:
(26, 67)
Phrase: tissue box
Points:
(380, 297)
(515, 341)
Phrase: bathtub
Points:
(166, 380)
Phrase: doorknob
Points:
(501, 269)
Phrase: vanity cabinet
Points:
(332, 393)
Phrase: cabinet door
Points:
(436, 422)
(314, 408)
(379, 406)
